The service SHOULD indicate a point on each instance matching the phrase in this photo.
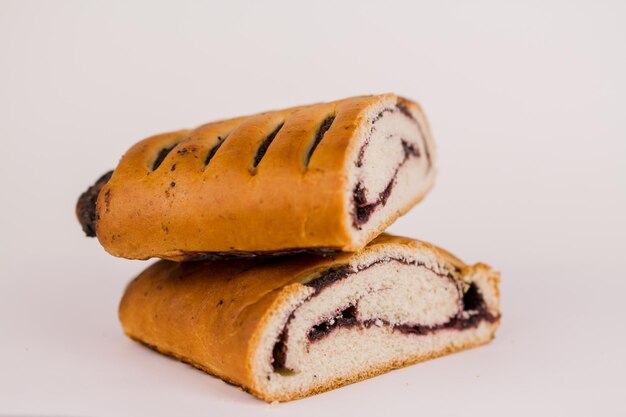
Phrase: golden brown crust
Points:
(212, 319)
(211, 314)
(185, 207)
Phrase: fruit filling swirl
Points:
(471, 309)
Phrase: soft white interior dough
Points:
(391, 291)
(383, 157)
(384, 152)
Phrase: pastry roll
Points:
(287, 328)
(324, 178)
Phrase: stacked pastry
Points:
(274, 266)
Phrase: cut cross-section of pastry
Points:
(320, 178)
(288, 328)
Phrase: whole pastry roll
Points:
(295, 326)
(323, 178)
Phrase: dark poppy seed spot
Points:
(161, 156)
(319, 136)
(107, 200)
(173, 168)
(266, 144)
(172, 184)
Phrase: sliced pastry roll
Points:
(322, 178)
(288, 328)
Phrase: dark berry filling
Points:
(474, 311)
(86, 205)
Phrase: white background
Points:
(526, 102)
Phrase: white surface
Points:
(527, 106)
